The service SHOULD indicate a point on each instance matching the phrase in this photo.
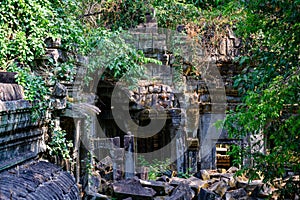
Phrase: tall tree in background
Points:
(270, 86)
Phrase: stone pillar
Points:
(76, 154)
(129, 156)
(209, 136)
(117, 154)
(181, 150)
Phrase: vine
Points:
(59, 146)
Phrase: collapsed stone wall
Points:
(21, 137)
(200, 100)
(22, 140)
(37, 180)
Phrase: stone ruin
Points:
(189, 107)
(21, 143)
(203, 185)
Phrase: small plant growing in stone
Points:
(59, 145)
(156, 167)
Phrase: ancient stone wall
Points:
(200, 101)
(21, 137)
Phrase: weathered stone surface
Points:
(202, 174)
(243, 182)
(175, 181)
(229, 180)
(37, 180)
(59, 90)
(21, 137)
(196, 184)
(8, 77)
(132, 188)
(232, 170)
(11, 92)
(261, 192)
(219, 187)
(206, 194)
(160, 188)
(95, 182)
(182, 192)
(235, 194)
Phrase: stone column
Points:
(129, 156)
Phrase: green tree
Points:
(270, 85)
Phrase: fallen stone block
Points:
(247, 185)
(175, 181)
(202, 174)
(232, 170)
(37, 180)
(132, 188)
(163, 179)
(219, 187)
(196, 184)
(229, 180)
(160, 188)
(206, 194)
(182, 192)
(235, 194)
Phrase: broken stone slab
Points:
(261, 192)
(11, 92)
(232, 170)
(163, 179)
(182, 192)
(175, 181)
(59, 91)
(95, 182)
(105, 162)
(235, 194)
(193, 182)
(249, 186)
(196, 184)
(96, 196)
(219, 188)
(206, 194)
(202, 174)
(212, 181)
(229, 180)
(161, 188)
(38, 180)
(132, 188)
(215, 175)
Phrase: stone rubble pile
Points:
(37, 180)
(203, 185)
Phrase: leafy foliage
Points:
(156, 167)
(113, 14)
(172, 13)
(270, 85)
(119, 59)
(59, 146)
